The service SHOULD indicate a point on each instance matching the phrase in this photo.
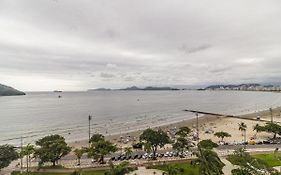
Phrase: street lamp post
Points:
(90, 118)
(21, 159)
(271, 115)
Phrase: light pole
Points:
(271, 115)
(21, 159)
(89, 118)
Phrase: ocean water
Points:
(42, 113)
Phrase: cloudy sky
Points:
(81, 44)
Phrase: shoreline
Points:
(208, 124)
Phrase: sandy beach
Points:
(208, 125)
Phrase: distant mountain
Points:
(149, 88)
(131, 88)
(9, 91)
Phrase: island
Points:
(135, 88)
(9, 91)
(151, 88)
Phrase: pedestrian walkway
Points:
(144, 171)
(228, 167)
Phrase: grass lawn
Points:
(186, 168)
(42, 173)
(270, 159)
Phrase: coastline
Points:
(208, 125)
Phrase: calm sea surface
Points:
(38, 114)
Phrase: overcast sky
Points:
(79, 44)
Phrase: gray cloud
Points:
(189, 50)
(106, 75)
(85, 44)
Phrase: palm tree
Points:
(27, 151)
(79, 153)
(209, 162)
(243, 127)
(128, 151)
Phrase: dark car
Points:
(135, 156)
(119, 157)
(266, 142)
(137, 146)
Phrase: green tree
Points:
(183, 131)
(51, 149)
(246, 162)
(269, 128)
(222, 135)
(121, 169)
(258, 128)
(27, 151)
(96, 138)
(272, 128)
(7, 155)
(181, 144)
(155, 139)
(209, 162)
(128, 151)
(207, 144)
(147, 147)
(79, 153)
(100, 149)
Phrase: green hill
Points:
(9, 91)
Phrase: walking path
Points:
(144, 171)
(228, 167)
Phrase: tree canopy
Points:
(209, 162)
(96, 138)
(100, 148)
(222, 135)
(207, 144)
(7, 155)
(51, 149)
(155, 139)
(269, 128)
(181, 144)
(183, 131)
